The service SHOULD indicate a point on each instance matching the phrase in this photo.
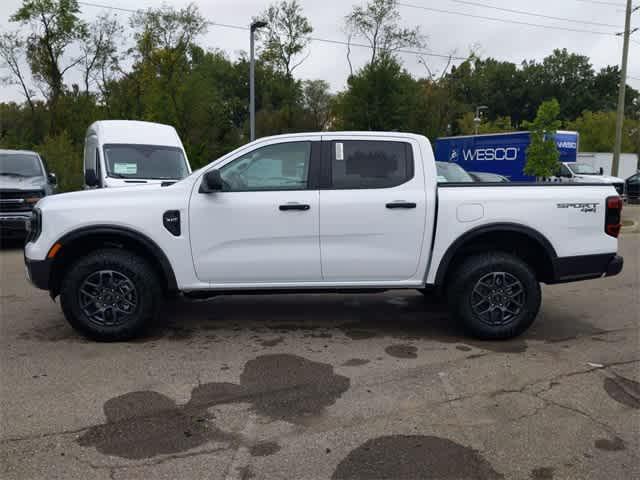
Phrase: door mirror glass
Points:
(211, 182)
(90, 178)
(53, 180)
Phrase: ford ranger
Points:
(315, 213)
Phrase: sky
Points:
(446, 33)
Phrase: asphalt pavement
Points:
(325, 387)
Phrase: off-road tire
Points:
(133, 267)
(464, 279)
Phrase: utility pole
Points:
(617, 146)
(252, 79)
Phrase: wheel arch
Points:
(525, 242)
(78, 243)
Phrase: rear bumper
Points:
(38, 272)
(585, 267)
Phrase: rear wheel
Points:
(495, 295)
(110, 295)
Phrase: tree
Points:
(64, 158)
(286, 35)
(381, 96)
(542, 152)
(597, 132)
(11, 53)
(317, 102)
(55, 26)
(100, 51)
(379, 23)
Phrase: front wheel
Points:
(495, 295)
(110, 295)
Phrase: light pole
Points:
(477, 120)
(617, 146)
(252, 79)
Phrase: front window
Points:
(145, 161)
(20, 165)
(283, 166)
(450, 172)
(583, 169)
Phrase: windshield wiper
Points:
(12, 174)
(117, 175)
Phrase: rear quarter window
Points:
(357, 164)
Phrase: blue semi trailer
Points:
(501, 153)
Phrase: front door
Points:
(263, 228)
(372, 210)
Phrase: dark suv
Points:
(23, 181)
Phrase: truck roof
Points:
(346, 133)
(18, 152)
(135, 132)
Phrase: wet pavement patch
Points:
(612, 445)
(145, 424)
(402, 351)
(355, 362)
(542, 473)
(264, 449)
(623, 390)
(404, 457)
(272, 342)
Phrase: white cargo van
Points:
(123, 153)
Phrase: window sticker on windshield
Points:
(125, 168)
(339, 151)
(442, 178)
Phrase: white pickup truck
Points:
(356, 211)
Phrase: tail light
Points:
(612, 218)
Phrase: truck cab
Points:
(125, 153)
(585, 173)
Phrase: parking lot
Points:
(325, 386)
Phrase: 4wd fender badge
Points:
(583, 207)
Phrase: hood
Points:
(600, 178)
(107, 197)
(8, 182)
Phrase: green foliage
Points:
(542, 153)
(597, 132)
(286, 35)
(467, 126)
(64, 158)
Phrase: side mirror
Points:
(53, 180)
(211, 182)
(90, 178)
(601, 171)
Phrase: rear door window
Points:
(357, 164)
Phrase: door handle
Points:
(294, 206)
(401, 205)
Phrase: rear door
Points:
(372, 209)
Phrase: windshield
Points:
(450, 172)
(20, 165)
(145, 161)
(583, 169)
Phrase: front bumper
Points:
(13, 226)
(585, 267)
(38, 272)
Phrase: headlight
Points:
(34, 225)
(33, 198)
